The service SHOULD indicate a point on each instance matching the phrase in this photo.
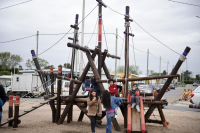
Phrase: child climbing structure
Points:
(133, 121)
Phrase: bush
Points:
(188, 82)
(4, 73)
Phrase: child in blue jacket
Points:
(118, 101)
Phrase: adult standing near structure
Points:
(3, 98)
(94, 108)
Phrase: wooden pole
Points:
(104, 65)
(141, 78)
(164, 122)
(126, 50)
(40, 74)
(75, 40)
(59, 82)
(116, 55)
(71, 99)
(167, 83)
(85, 49)
(16, 116)
(10, 108)
(100, 39)
(52, 94)
(42, 78)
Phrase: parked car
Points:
(168, 89)
(157, 87)
(196, 96)
(172, 86)
(145, 88)
(195, 83)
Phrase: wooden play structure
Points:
(134, 122)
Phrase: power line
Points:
(68, 31)
(184, 3)
(115, 11)
(45, 35)
(93, 32)
(133, 51)
(54, 34)
(153, 55)
(16, 4)
(18, 39)
(55, 43)
(156, 38)
(130, 45)
(147, 32)
(104, 34)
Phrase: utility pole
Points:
(160, 67)
(37, 44)
(180, 76)
(147, 62)
(167, 66)
(82, 39)
(116, 55)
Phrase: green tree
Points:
(5, 73)
(14, 60)
(198, 77)
(164, 73)
(30, 63)
(132, 69)
(4, 57)
(59, 65)
(187, 75)
(50, 66)
(152, 73)
(120, 69)
(67, 65)
(8, 60)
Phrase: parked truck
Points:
(26, 84)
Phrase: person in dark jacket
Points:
(95, 86)
(2, 99)
(135, 97)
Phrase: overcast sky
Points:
(174, 24)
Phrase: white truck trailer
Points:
(26, 84)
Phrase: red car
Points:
(168, 89)
(158, 87)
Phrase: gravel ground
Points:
(40, 121)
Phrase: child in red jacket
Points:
(113, 88)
